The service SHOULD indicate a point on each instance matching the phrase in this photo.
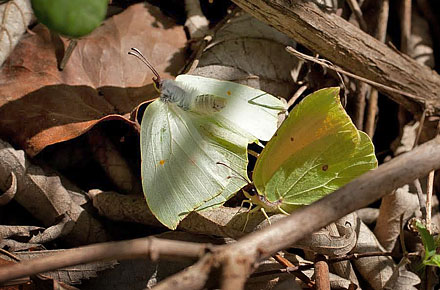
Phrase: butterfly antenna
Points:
(240, 176)
(137, 53)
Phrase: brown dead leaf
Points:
(114, 165)
(250, 52)
(323, 242)
(40, 105)
(10, 191)
(13, 245)
(18, 231)
(44, 196)
(377, 269)
(393, 206)
(15, 17)
(368, 215)
(403, 279)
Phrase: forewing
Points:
(179, 162)
(312, 152)
(248, 110)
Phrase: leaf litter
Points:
(51, 107)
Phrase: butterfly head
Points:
(157, 81)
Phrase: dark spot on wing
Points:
(291, 139)
(324, 167)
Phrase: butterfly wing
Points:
(247, 110)
(315, 151)
(180, 152)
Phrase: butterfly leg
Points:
(248, 212)
(283, 211)
(265, 215)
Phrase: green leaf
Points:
(181, 149)
(72, 18)
(433, 261)
(315, 151)
(427, 240)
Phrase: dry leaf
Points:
(375, 270)
(15, 16)
(43, 195)
(13, 246)
(250, 52)
(114, 165)
(341, 227)
(402, 279)
(18, 231)
(393, 206)
(10, 191)
(323, 242)
(61, 229)
(40, 105)
(368, 215)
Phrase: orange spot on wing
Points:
(162, 162)
(229, 93)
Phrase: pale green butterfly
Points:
(196, 123)
(316, 150)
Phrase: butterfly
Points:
(196, 123)
(316, 150)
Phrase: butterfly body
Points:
(190, 99)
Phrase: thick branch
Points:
(352, 49)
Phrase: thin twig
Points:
(420, 129)
(362, 88)
(322, 278)
(347, 257)
(402, 236)
(300, 55)
(144, 247)
(296, 95)
(354, 6)
(429, 191)
(68, 53)
(361, 94)
(405, 25)
(380, 34)
(297, 273)
(420, 196)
